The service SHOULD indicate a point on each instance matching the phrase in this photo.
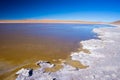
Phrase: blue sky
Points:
(90, 10)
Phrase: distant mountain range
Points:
(57, 21)
(49, 21)
(116, 22)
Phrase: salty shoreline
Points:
(24, 47)
(103, 60)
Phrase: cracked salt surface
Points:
(103, 61)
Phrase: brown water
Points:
(21, 45)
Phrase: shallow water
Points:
(23, 44)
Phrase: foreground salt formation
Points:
(103, 61)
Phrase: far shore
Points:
(51, 21)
